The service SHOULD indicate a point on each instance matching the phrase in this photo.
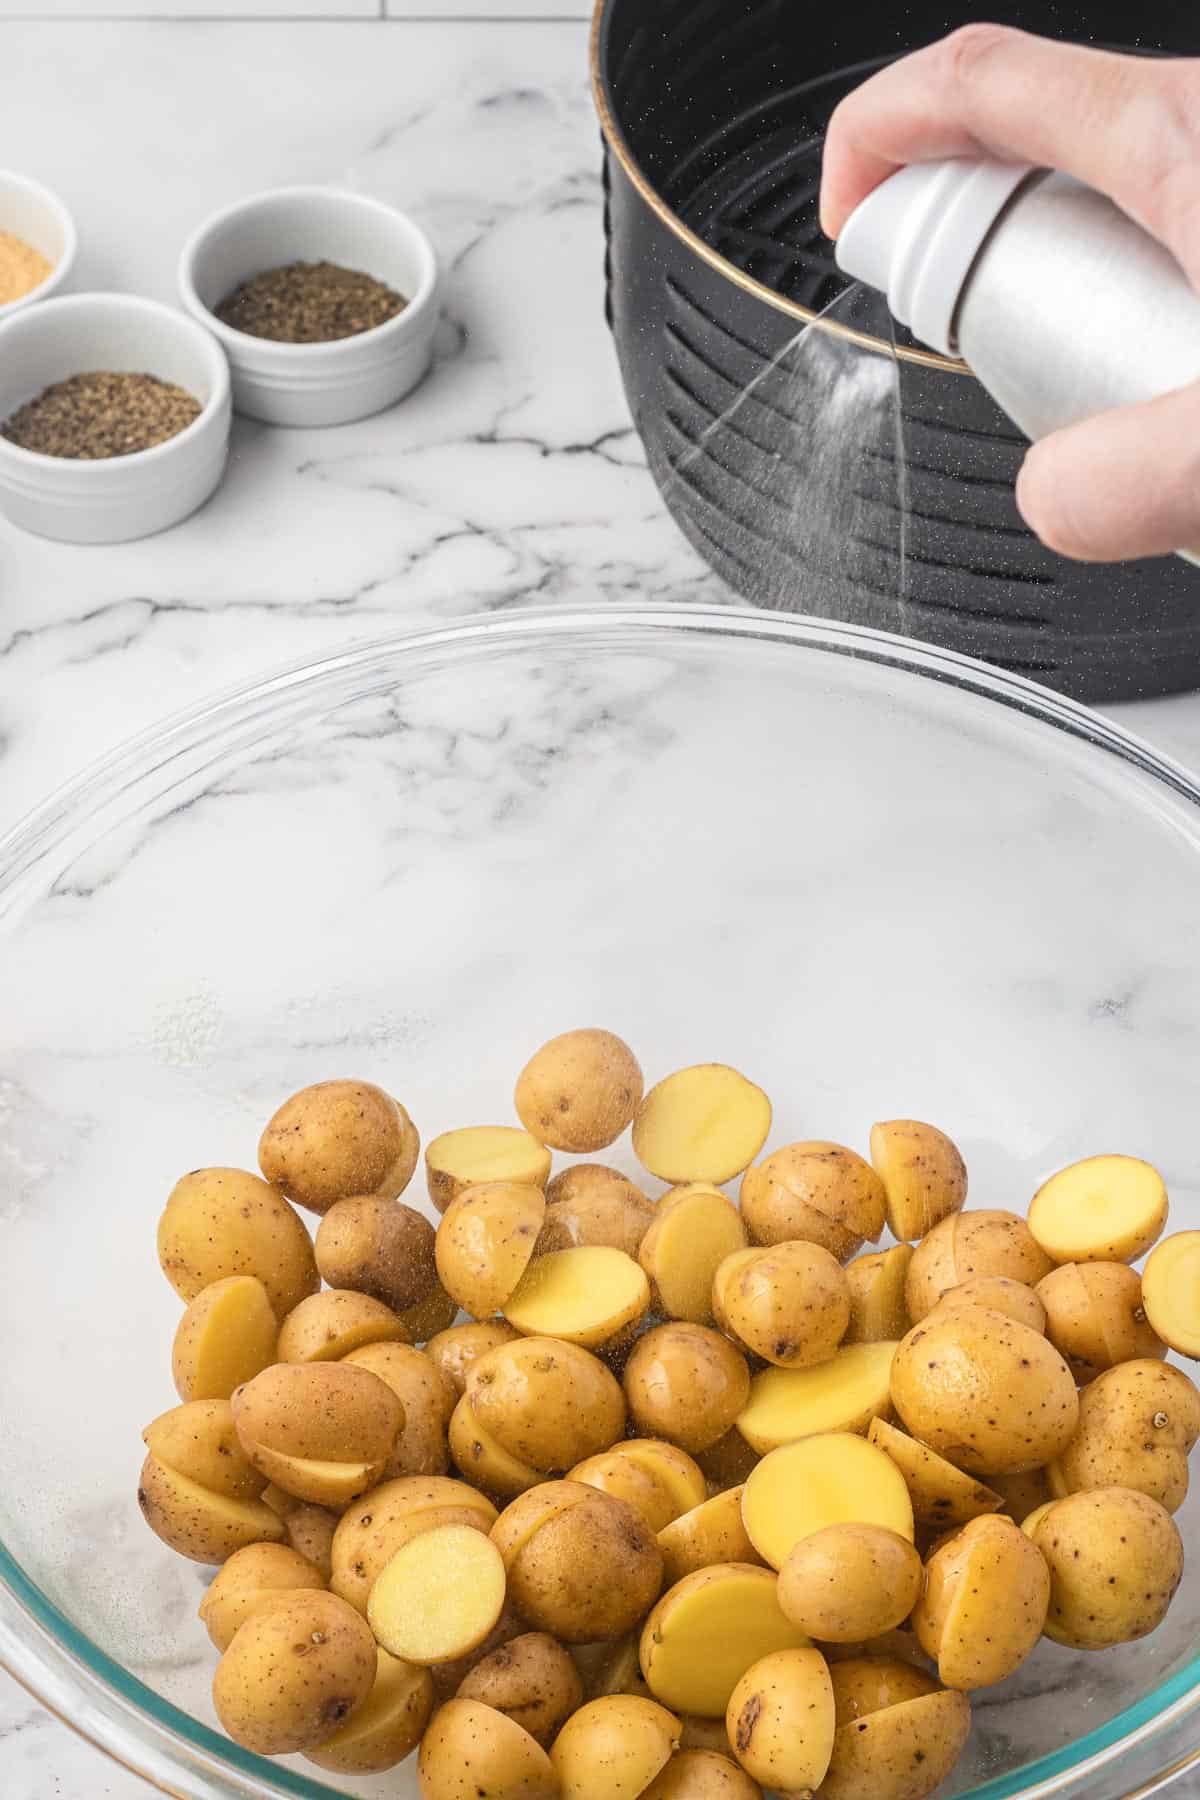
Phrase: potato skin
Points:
(321, 1414)
(547, 1403)
(258, 1572)
(820, 1192)
(780, 1720)
(701, 1775)
(998, 1293)
(878, 1313)
(710, 1533)
(328, 1326)
(386, 1728)
(686, 1383)
(923, 1173)
(788, 1303)
(657, 1479)
(532, 1679)
(1115, 1560)
(377, 1246)
(901, 1752)
(613, 1747)
(198, 1440)
(581, 1564)
(468, 1747)
(294, 1673)
(988, 1241)
(227, 1335)
(1137, 1423)
(310, 1532)
(1095, 1318)
(592, 1204)
(866, 1684)
(337, 1139)
(222, 1222)
(579, 1091)
(941, 1494)
(846, 1584)
(485, 1243)
(428, 1399)
(457, 1348)
(984, 1603)
(964, 1384)
(204, 1526)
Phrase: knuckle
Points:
(968, 48)
(1044, 507)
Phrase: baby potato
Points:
(428, 1399)
(997, 1293)
(727, 1463)
(866, 1684)
(1095, 1317)
(701, 1775)
(449, 1677)
(984, 1605)
(923, 1174)
(899, 1752)
(687, 1384)
(941, 1495)
(849, 1583)
(984, 1392)
(1103, 1209)
(324, 1432)
(843, 1394)
(657, 1479)
(310, 1531)
(223, 1222)
(1137, 1423)
(835, 1479)
(294, 1673)
(199, 1522)
(199, 1442)
(612, 1748)
(705, 1633)
(592, 1204)
(470, 1748)
(1115, 1560)
(438, 1596)
(435, 1313)
(711, 1532)
(968, 1244)
(329, 1325)
(456, 1349)
(388, 1725)
(377, 1246)
(483, 1461)
(706, 1123)
(579, 1091)
(478, 1155)
(878, 1313)
(531, 1679)
(259, 1572)
(695, 1228)
(485, 1242)
(337, 1139)
(585, 1296)
(1171, 1291)
(581, 1564)
(819, 1192)
(371, 1530)
(226, 1336)
(780, 1720)
(788, 1303)
(548, 1404)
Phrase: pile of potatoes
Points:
(703, 1498)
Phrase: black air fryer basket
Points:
(713, 114)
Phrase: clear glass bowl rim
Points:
(41, 1648)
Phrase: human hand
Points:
(1126, 483)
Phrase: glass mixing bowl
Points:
(882, 880)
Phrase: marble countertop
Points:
(512, 476)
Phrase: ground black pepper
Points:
(101, 414)
(309, 303)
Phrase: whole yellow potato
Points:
(579, 1091)
(612, 1748)
(657, 1479)
(878, 1311)
(324, 1432)
(1137, 1423)
(377, 1246)
(705, 1633)
(898, 1752)
(866, 1684)
(475, 1155)
(485, 1242)
(780, 1720)
(223, 1222)
(547, 1403)
(686, 1383)
(695, 1228)
(1103, 1209)
(371, 1530)
(819, 1192)
(581, 1564)
(258, 1572)
(199, 1522)
(984, 1392)
(969, 1244)
(984, 1603)
(270, 1699)
(532, 1679)
(199, 1442)
(469, 1747)
(310, 1532)
(388, 1725)
(592, 1204)
(850, 1582)
(701, 1775)
(706, 1123)
(456, 1349)
(337, 1139)
(226, 1336)
(1115, 1559)
(923, 1174)
(788, 1303)
(1095, 1317)
(941, 1495)
(998, 1293)
(428, 1399)
(712, 1532)
(329, 1325)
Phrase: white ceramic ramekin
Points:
(33, 213)
(316, 384)
(118, 497)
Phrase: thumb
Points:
(1123, 484)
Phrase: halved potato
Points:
(817, 1192)
(1103, 1209)
(878, 1312)
(707, 1631)
(438, 1596)
(485, 1243)
(843, 1394)
(834, 1479)
(694, 1229)
(483, 1153)
(710, 1533)
(941, 1495)
(1171, 1291)
(226, 1336)
(706, 1123)
(584, 1296)
(923, 1174)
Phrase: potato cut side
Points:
(923, 1174)
(843, 1394)
(901, 1752)
(709, 1534)
(479, 1153)
(695, 1229)
(707, 1631)
(439, 1596)
(682, 1478)
(941, 1495)
(780, 1720)
(1104, 1209)
(1171, 1291)
(199, 1441)
(584, 1296)
(878, 1311)
(320, 1483)
(226, 1336)
(388, 1725)
(198, 1523)
(707, 1123)
(835, 1479)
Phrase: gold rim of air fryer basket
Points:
(615, 139)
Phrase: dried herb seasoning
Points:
(309, 303)
(101, 414)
